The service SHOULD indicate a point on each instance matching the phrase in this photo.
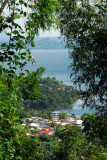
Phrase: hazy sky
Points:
(51, 33)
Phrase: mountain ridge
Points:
(49, 43)
(43, 43)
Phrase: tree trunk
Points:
(82, 3)
(3, 6)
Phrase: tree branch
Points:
(3, 6)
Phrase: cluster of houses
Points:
(39, 125)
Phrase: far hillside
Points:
(49, 43)
(41, 43)
(54, 95)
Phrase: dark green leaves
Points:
(16, 16)
(15, 32)
(3, 45)
(85, 31)
(14, 143)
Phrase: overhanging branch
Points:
(3, 6)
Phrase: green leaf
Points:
(32, 44)
(20, 1)
(25, 4)
(3, 45)
(17, 16)
(21, 42)
(15, 32)
(22, 57)
(16, 57)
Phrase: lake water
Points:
(77, 110)
(56, 63)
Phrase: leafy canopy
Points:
(83, 24)
(20, 21)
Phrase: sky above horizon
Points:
(51, 33)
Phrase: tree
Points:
(30, 88)
(14, 142)
(20, 21)
(48, 148)
(44, 137)
(95, 129)
(74, 146)
(32, 15)
(62, 115)
(83, 24)
(45, 115)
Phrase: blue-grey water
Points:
(77, 110)
(56, 63)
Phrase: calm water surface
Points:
(56, 63)
(76, 109)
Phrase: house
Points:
(63, 124)
(49, 132)
(79, 122)
(46, 120)
(34, 125)
(69, 122)
(42, 122)
(55, 119)
(59, 89)
(69, 119)
(34, 118)
(45, 131)
(55, 114)
(31, 129)
(39, 118)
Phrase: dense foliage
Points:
(54, 94)
(13, 137)
(68, 143)
(95, 128)
(20, 20)
(15, 142)
(83, 24)
(73, 145)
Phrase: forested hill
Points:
(42, 42)
(54, 94)
(49, 43)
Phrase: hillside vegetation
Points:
(54, 94)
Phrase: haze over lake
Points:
(56, 63)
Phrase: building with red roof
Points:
(45, 131)
(49, 132)
(55, 119)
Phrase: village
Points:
(40, 125)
